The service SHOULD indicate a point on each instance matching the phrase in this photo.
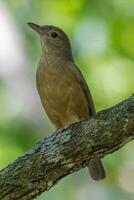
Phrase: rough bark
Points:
(67, 151)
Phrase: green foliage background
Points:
(102, 37)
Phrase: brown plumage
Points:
(63, 91)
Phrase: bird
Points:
(63, 91)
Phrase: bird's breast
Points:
(53, 88)
(61, 95)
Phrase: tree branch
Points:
(67, 151)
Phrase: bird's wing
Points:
(86, 90)
(95, 166)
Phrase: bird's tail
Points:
(96, 169)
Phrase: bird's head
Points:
(53, 39)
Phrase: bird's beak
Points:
(35, 27)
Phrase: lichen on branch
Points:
(67, 151)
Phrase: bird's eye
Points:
(54, 34)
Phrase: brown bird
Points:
(62, 88)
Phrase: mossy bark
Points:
(67, 151)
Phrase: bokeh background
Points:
(102, 37)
